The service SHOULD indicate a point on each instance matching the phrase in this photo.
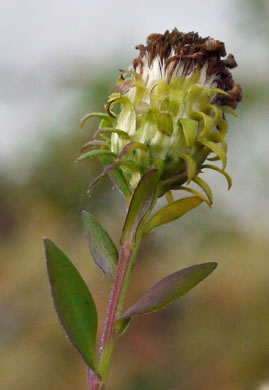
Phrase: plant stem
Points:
(127, 255)
(141, 205)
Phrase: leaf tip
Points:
(47, 243)
(211, 265)
(81, 157)
(83, 120)
(214, 264)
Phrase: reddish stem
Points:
(124, 257)
(114, 308)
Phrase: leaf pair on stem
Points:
(73, 301)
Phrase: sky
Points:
(32, 32)
(37, 39)
(40, 39)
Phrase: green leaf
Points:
(225, 174)
(94, 143)
(96, 153)
(173, 211)
(103, 249)
(141, 202)
(223, 127)
(104, 123)
(218, 137)
(111, 167)
(164, 123)
(217, 111)
(116, 176)
(73, 302)
(169, 289)
(123, 100)
(214, 91)
(130, 147)
(190, 165)
(122, 326)
(190, 130)
(216, 149)
(96, 115)
(205, 187)
(111, 130)
(172, 182)
(208, 122)
(194, 192)
(229, 110)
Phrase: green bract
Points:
(168, 112)
(168, 124)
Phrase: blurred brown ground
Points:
(216, 337)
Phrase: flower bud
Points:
(171, 109)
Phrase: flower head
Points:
(172, 107)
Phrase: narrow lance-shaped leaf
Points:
(96, 153)
(73, 302)
(103, 249)
(169, 289)
(216, 149)
(141, 203)
(194, 192)
(190, 165)
(94, 143)
(116, 177)
(190, 130)
(225, 174)
(122, 325)
(208, 123)
(100, 115)
(169, 197)
(130, 147)
(205, 187)
(173, 211)
(111, 130)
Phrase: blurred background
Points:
(59, 60)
